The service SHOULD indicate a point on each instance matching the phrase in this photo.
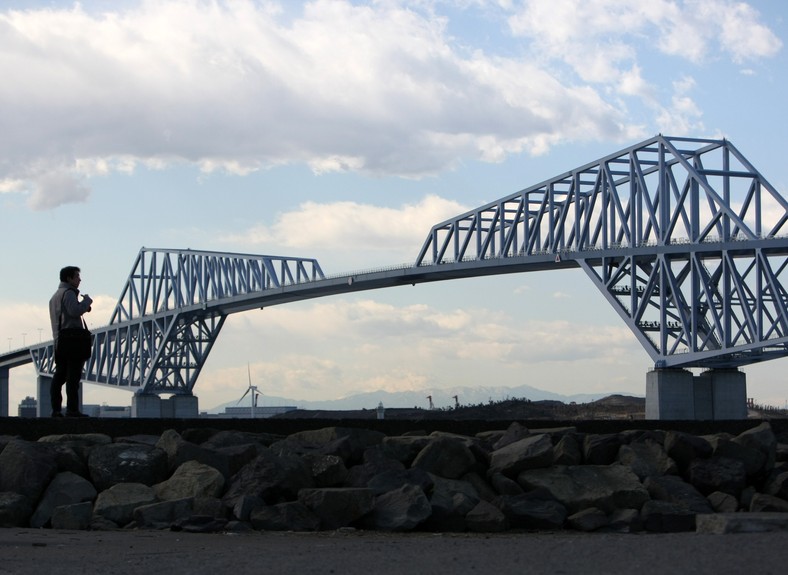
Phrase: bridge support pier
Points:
(150, 405)
(716, 394)
(44, 384)
(4, 377)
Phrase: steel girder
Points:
(683, 236)
(170, 312)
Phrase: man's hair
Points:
(68, 272)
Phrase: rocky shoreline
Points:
(202, 479)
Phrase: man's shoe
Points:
(76, 414)
(57, 414)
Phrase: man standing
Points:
(65, 312)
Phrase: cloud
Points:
(240, 86)
(340, 226)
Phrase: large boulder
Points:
(117, 504)
(288, 516)
(27, 468)
(273, 478)
(447, 457)
(537, 509)
(179, 451)
(531, 452)
(126, 463)
(578, 487)
(400, 509)
(337, 506)
(66, 488)
(673, 489)
(191, 479)
(718, 474)
(15, 510)
(646, 458)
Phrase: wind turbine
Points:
(252, 388)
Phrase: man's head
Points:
(70, 275)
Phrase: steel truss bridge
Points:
(683, 237)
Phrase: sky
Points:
(344, 131)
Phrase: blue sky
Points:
(343, 131)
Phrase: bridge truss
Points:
(683, 236)
(170, 313)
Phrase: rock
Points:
(567, 451)
(535, 510)
(578, 487)
(505, 486)
(400, 509)
(234, 438)
(450, 500)
(179, 451)
(396, 478)
(273, 479)
(191, 479)
(117, 504)
(163, 514)
(15, 509)
(723, 502)
(667, 517)
(601, 449)
(778, 485)
(290, 516)
(65, 489)
(763, 502)
(245, 505)
(207, 505)
(327, 470)
(646, 458)
(346, 442)
(752, 458)
(447, 457)
(486, 518)
(722, 523)
(515, 432)
(76, 516)
(625, 521)
(762, 439)
(404, 448)
(337, 506)
(718, 474)
(126, 463)
(590, 519)
(684, 448)
(374, 461)
(531, 452)
(27, 468)
(483, 488)
(239, 455)
(673, 489)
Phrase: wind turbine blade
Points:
(244, 395)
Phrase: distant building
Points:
(107, 411)
(246, 412)
(28, 407)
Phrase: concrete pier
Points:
(4, 371)
(677, 394)
(149, 406)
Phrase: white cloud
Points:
(241, 86)
(340, 226)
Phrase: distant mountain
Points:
(440, 398)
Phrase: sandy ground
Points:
(34, 551)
